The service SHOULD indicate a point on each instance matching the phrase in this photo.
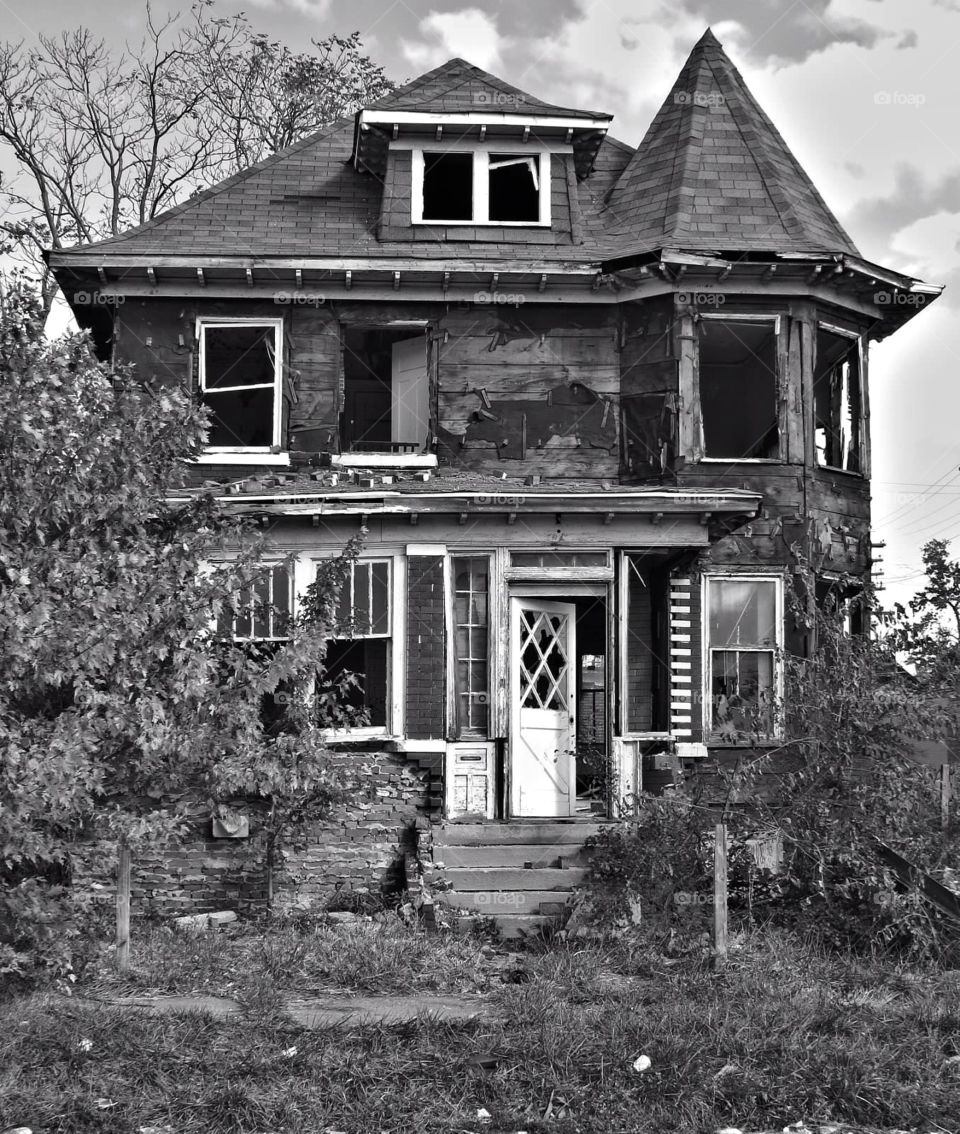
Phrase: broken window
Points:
(385, 390)
(836, 399)
(480, 187)
(738, 388)
(240, 366)
(471, 632)
(361, 646)
(448, 186)
(514, 187)
(743, 635)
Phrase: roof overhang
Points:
(886, 298)
(375, 129)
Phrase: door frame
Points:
(558, 591)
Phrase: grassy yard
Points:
(783, 1033)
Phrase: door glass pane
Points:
(743, 612)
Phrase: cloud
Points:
(784, 31)
(470, 34)
(314, 9)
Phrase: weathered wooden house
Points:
(588, 404)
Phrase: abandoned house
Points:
(587, 403)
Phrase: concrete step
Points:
(508, 878)
(522, 855)
(549, 832)
(501, 903)
(514, 926)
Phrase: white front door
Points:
(543, 707)
(410, 411)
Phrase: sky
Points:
(866, 93)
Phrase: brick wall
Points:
(426, 654)
(360, 844)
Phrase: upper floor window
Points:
(739, 387)
(240, 383)
(743, 636)
(481, 187)
(837, 400)
(386, 390)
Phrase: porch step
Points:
(516, 925)
(504, 903)
(505, 879)
(549, 832)
(530, 855)
(521, 875)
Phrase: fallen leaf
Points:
(642, 1064)
(483, 1115)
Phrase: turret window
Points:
(837, 400)
(739, 388)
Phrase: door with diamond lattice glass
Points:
(543, 707)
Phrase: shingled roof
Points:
(458, 87)
(713, 173)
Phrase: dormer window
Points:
(507, 187)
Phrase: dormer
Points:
(464, 156)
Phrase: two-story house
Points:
(587, 404)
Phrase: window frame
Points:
(733, 317)
(707, 649)
(226, 454)
(846, 333)
(393, 727)
(481, 184)
(457, 728)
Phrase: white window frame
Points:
(396, 653)
(845, 333)
(709, 733)
(466, 734)
(237, 454)
(733, 317)
(481, 184)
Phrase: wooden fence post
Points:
(123, 907)
(720, 893)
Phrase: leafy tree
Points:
(103, 139)
(927, 631)
(118, 701)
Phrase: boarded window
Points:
(239, 378)
(363, 639)
(836, 398)
(386, 390)
(738, 388)
(743, 634)
(514, 187)
(447, 186)
(472, 620)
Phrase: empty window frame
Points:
(362, 642)
(241, 366)
(259, 619)
(743, 635)
(386, 390)
(558, 559)
(837, 400)
(739, 399)
(480, 187)
(471, 616)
